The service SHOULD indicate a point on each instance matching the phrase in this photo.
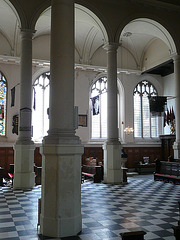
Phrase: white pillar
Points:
(24, 176)
(112, 147)
(176, 145)
(61, 149)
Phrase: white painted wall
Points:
(12, 73)
(156, 53)
(83, 82)
(41, 47)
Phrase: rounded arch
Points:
(39, 72)
(93, 80)
(98, 18)
(20, 14)
(94, 18)
(94, 14)
(39, 11)
(90, 33)
(146, 40)
(160, 24)
(9, 29)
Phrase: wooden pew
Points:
(95, 172)
(167, 171)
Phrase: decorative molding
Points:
(81, 67)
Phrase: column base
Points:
(113, 173)
(61, 190)
(61, 227)
(24, 176)
(176, 147)
(24, 180)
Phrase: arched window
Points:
(99, 109)
(145, 125)
(3, 100)
(40, 119)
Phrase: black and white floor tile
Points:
(107, 210)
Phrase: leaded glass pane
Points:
(137, 115)
(3, 95)
(144, 125)
(40, 119)
(104, 115)
(99, 121)
(154, 126)
(146, 116)
(96, 126)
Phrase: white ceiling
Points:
(90, 34)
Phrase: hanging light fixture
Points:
(128, 130)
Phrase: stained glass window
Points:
(3, 96)
(145, 125)
(40, 119)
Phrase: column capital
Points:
(111, 46)
(176, 58)
(27, 32)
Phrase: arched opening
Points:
(145, 44)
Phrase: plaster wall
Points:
(12, 75)
(5, 48)
(41, 47)
(83, 81)
(155, 54)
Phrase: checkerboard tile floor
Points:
(107, 210)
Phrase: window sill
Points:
(148, 141)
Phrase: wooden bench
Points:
(145, 168)
(37, 171)
(95, 172)
(167, 171)
(136, 235)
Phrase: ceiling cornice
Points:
(80, 67)
(159, 4)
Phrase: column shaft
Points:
(62, 66)
(24, 147)
(112, 93)
(112, 147)
(61, 149)
(26, 86)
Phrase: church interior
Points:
(89, 119)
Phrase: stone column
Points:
(176, 145)
(24, 176)
(61, 149)
(112, 147)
